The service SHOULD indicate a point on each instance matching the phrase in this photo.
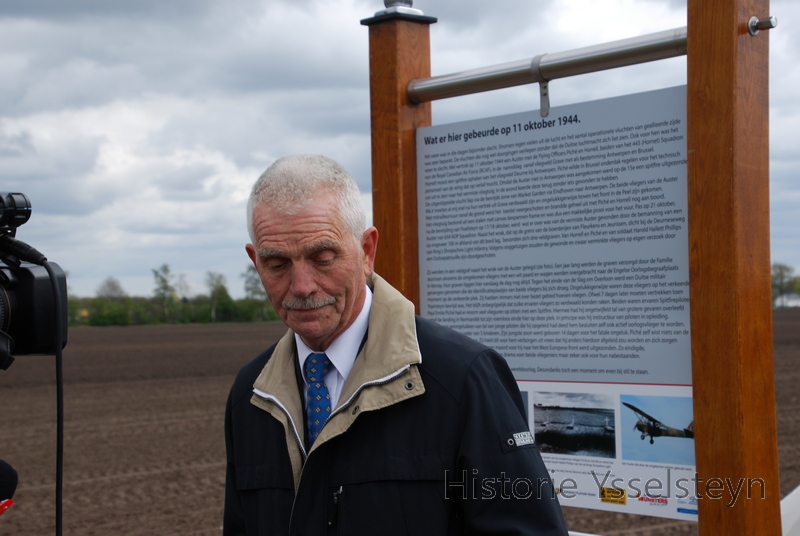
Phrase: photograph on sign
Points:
(674, 422)
(581, 424)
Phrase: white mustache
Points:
(307, 303)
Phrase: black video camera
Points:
(28, 283)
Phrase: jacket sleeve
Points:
(502, 482)
(233, 523)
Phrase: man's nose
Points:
(303, 283)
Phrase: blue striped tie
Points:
(318, 399)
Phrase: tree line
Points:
(784, 282)
(171, 303)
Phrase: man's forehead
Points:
(319, 208)
(316, 228)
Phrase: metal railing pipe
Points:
(631, 51)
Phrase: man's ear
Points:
(369, 245)
(251, 252)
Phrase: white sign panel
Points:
(562, 242)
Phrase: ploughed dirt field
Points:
(144, 448)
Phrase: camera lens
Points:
(15, 209)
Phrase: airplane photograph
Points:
(650, 426)
(656, 429)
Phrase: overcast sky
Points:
(137, 128)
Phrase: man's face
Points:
(312, 268)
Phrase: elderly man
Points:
(365, 419)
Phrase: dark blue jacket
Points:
(434, 441)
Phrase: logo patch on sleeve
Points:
(523, 438)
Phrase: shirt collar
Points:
(342, 351)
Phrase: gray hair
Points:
(290, 185)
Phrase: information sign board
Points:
(562, 243)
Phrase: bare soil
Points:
(144, 447)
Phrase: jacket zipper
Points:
(337, 503)
(274, 400)
(379, 381)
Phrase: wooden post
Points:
(399, 51)
(729, 263)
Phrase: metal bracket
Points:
(544, 90)
(754, 25)
(544, 99)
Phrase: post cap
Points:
(399, 9)
(399, 6)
